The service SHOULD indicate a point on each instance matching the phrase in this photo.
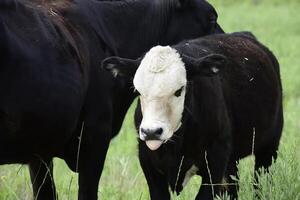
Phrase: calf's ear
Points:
(122, 67)
(209, 65)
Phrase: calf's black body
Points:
(226, 117)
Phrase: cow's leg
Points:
(216, 159)
(41, 174)
(95, 142)
(157, 182)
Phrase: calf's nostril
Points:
(158, 131)
(144, 131)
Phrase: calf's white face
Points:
(161, 81)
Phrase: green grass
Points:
(276, 24)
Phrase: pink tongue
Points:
(153, 144)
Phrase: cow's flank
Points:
(54, 100)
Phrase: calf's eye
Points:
(178, 92)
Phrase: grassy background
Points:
(276, 23)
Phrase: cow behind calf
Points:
(200, 102)
(54, 100)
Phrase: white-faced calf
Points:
(203, 105)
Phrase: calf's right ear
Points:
(121, 66)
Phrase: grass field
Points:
(277, 24)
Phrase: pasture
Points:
(276, 24)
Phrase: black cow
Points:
(204, 104)
(54, 102)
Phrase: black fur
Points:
(51, 86)
(220, 116)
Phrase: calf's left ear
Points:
(209, 65)
(121, 66)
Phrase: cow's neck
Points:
(122, 99)
(129, 28)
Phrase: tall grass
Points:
(276, 23)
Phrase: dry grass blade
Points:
(209, 174)
(79, 145)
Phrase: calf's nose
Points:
(152, 134)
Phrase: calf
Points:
(203, 105)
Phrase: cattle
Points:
(54, 100)
(203, 105)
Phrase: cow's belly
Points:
(39, 126)
(30, 136)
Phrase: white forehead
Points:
(160, 73)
